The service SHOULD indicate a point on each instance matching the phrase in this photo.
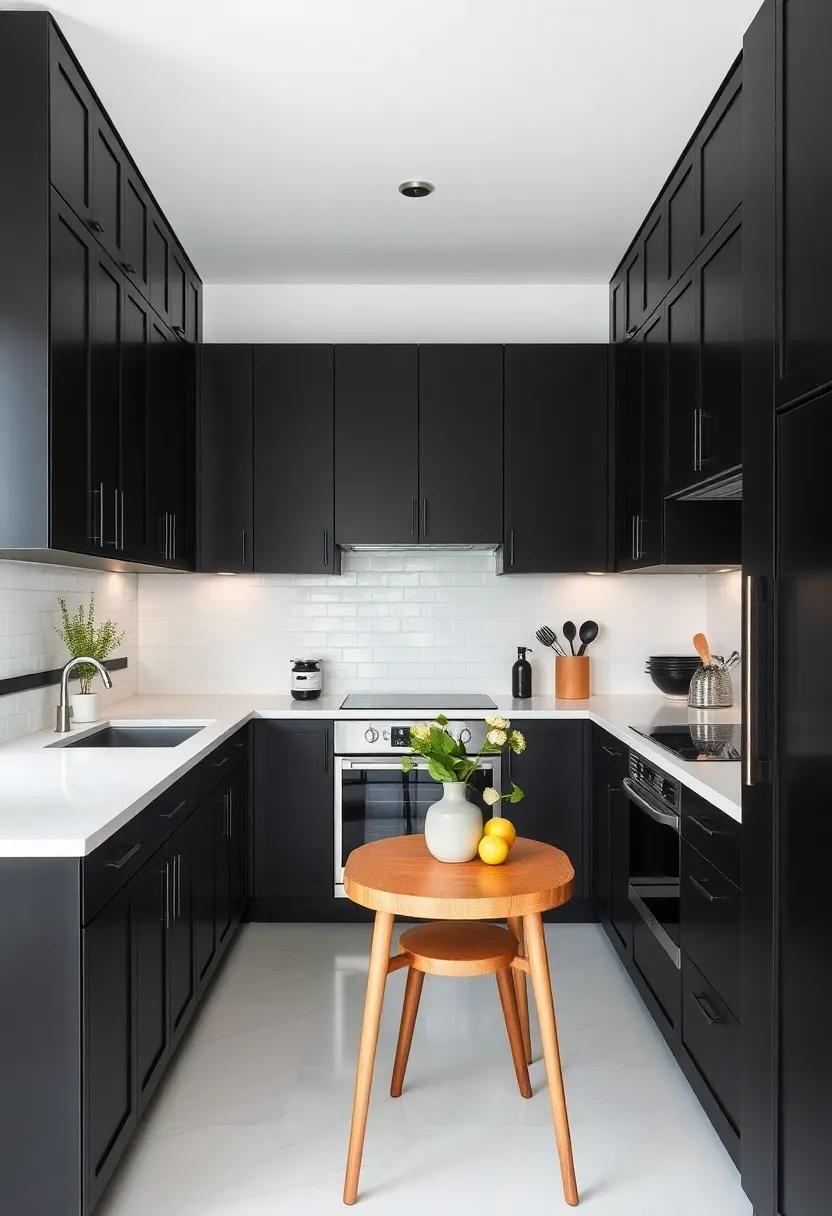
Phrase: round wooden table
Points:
(400, 877)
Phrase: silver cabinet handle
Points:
(172, 814)
(639, 537)
(326, 548)
(511, 547)
(655, 812)
(633, 550)
(121, 862)
(704, 892)
(424, 517)
(220, 763)
(178, 884)
(414, 516)
(166, 902)
(706, 1008)
(244, 546)
(173, 536)
(101, 514)
(121, 546)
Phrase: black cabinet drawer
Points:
(713, 834)
(711, 909)
(659, 972)
(106, 870)
(711, 1036)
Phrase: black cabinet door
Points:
(177, 290)
(107, 187)
(135, 212)
(182, 970)
(225, 534)
(193, 309)
(376, 444)
(804, 197)
(620, 906)
(719, 420)
(719, 159)
(160, 391)
(609, 766)
(151, 917)
(618, 311)
(460, 411)
(552, 810)
(681, 220)
(72, 115)
(629, 472)
(171, 463)
(71, 260)
(556, 435)
(105, 397)
(135, 538)
(684, 464)
(204, 848)
(111, 1104)
(294, 525)
(655, 258)
(158, 251)
(293, 767)
(634, 288)
(237, 821)
(222, 866)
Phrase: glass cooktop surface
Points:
(697, 740)
(410, 700)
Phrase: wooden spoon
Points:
(702, 648)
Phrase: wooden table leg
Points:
(376, 980)
(508, 1000)
(542, 985)
(412, 992)
(515, 924)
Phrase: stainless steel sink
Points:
(134, 736)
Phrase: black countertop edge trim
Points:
(42, 679)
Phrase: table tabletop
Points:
(399, 875)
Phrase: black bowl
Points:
(674, 660)
(671, 683)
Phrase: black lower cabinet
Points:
(551, 774)
(294, 841)
(151, 912)
(609, 832)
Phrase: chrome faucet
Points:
(62, 725)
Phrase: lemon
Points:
(493, 850)
(503, 828)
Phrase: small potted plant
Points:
(453, 825)
(83, 638)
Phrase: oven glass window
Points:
(654, 869)
(379, 803)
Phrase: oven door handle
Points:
(667, 818)
(379, 766)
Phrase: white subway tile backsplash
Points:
(433, 622)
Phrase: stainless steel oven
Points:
(655, 852)
(374, 799)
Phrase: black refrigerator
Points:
(787, 568)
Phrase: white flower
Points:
(517, 742)
(490, 796)
(420, 732)
(497, 736)
(497, 721)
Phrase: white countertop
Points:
(59, 802)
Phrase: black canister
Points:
(306, 679)
(521, 676)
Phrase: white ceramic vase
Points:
(84, 706)
(453, 825)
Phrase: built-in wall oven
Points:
(374, 799)
(655, 852)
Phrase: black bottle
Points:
(521, 676)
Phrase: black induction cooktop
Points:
(410, 700)
(697, 740)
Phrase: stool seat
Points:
(459, 947)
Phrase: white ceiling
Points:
(274, 132)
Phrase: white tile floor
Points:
(252, 1119)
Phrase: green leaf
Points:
(408, 763)
(441, 719)
(516, 794)
(439, 770)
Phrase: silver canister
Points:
(711, 688)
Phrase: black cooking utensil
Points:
(569, 632)
(588, 632)
(547, 637)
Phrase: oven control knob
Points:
(465, 735)
(371, 734)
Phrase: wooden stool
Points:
(459, 948)
(399, 877)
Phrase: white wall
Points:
(386, 312)
(28, 642)
(434, 622)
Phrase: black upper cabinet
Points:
(134, 259)
(719, 154)
(720, 335)
(803, 184)
(292, 760)
(171, 393)
(460, 410)
(135, 456)
(376, 444)
(294, 525)
(634, 290)
(107, 188)
(681, 219)
(618, 309)
(224, 460)
(556, 435)
(683, 391)
(654, 245)
(641, 420)
(72, 115)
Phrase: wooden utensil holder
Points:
(572, 678)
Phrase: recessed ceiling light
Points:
(416, 189)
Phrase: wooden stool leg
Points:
(515, 924)
(515, 1035)
(542, 985)
(376, 979)
(412, 993)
